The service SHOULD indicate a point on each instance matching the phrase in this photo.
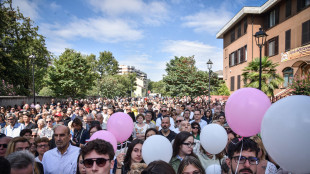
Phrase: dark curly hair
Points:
(246, 144)
(100, 146)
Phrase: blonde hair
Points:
(260, 144)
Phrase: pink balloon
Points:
(105, 135)
(245, 109)
(120, 125)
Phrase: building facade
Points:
(141, 79)
(287, 24)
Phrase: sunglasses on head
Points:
(88, 163)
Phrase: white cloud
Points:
(201, 51)
(152, 13)
(55, 6)
(209, 20)
(154, 69)
(28, 8)
(99, 29)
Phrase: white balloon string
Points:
(239, 155)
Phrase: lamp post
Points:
(32, 57)
(260, 39)
(209, 65)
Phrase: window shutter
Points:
(276, 45)
(238, 83)
(229, 60)
(277, 15)
(232, 83)
(287, 40)
(288, 9)
(305, 36)
(242, 55)
(266, 24)
(299, 5)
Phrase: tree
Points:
(158, 87)
(70, 75)
(107, 64)
(301, 85)
(20, 39)
(184, 79)
(270, 79)
(221, 90)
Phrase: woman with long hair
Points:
(133, 155)
(182, 146)
(206, 158)
(191, 164)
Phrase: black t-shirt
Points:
(170, 137)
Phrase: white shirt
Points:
(14, 131)
(158, 123)
(56, 163)
(202, 123)
(191, 115)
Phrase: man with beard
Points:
(165, 131)
(248, 159)
(63, 158)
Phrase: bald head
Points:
(62, 128)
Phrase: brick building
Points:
(287, 24)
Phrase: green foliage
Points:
(107, 64)
(158, 87)
(301, 85)
(71, 75)
(46, 91)
(18, 40)
(111, 86)
(221, 90)
(270, 79)
(184, 79)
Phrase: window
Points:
(232, 83)
(271, 48)
(288, 9)
(245, 25)
(301, 4)
(239, 31)
(272, 18)
(287, 40)
(305, 33)
(239, 80)
(288, 76)
(232, 59)
(232, 35)
(239, 56)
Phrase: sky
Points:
(145, 34)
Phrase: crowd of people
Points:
(54, 138)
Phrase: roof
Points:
(243, 12)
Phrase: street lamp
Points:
(32, 58)
(260, 39)
(209, 65)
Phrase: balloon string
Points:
(240, 139)
(214, 163)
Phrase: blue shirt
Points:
(56, 163)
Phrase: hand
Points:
(120, 160)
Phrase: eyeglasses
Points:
(178, 121)
(252, 160)
(195, 127)
(34, 135)
(43, 146)
(48, 121)
(189, 144)
(10, 119)
(163, 110)
(88, 163)
(3, 145)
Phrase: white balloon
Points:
(285, 133)
(156, 147)
(214, 169)
(213, 138)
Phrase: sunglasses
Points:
(195, 127)
(48, 121)
(178, 121)
(3, 145)
(88, 163)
